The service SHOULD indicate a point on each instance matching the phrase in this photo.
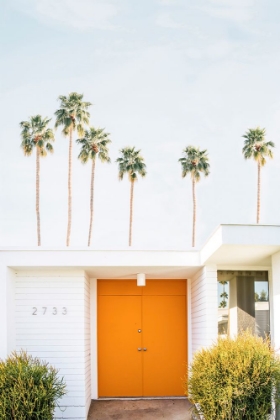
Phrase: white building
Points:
(82, 310)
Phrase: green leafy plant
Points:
(235, 379)
(29, 388)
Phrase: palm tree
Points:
(195, 163)
(72, 115)
(36, 134)
(132, 163)
(257, 148)
(93, 143)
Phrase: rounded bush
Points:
(29, 388)
(235, 379)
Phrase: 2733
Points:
(53, 310)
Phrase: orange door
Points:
(164, 338)
(119, 361)
(152, 319)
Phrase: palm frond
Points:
(72, 113)
(132, 163)
(43, 152)
(84, 156)
(194, 162)
(49, 147)
(94, 143)
(256, 147)
(80, 130)
(35, 133)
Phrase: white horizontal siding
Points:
(56, 337)
(87, 345)
(275, 301)
(204, 313)
(3, 312)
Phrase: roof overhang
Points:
(230, 245)
(106, 264)
(243, 245)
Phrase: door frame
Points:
(93, 330)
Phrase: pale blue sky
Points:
(162, 74)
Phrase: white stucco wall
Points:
(52, 322)
(204, 308)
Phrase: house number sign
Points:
(53, 311)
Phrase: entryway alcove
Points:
(142, 338)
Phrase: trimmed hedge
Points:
(235, 379)
(29, 388)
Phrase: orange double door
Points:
(142, 338)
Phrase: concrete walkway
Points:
(168, 409)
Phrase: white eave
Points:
(230, 245)
(242, 245)
(106, 263)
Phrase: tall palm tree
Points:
(132, 163)
(195, 162)
(257, 148)
(72, 115)
(94, 143)
(35, 134)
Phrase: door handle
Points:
(144, 349)
(139, 349)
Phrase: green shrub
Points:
(235, 379)
(29, 388)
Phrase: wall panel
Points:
(52, 323)
(204, 308)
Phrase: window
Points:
(243, 302)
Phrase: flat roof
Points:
(230, 245)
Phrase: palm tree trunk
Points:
(91, 200)
(38, 196)
(69, 188)
(131, 212)
(259, 192)
(194, 212)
